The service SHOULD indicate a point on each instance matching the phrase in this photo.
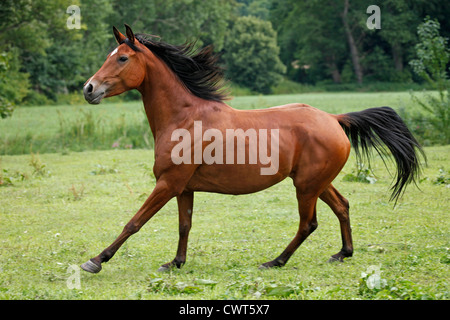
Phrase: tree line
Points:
(312, 42)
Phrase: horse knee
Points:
(308, 228)
(131, 228)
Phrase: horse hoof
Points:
(334, 259)
(91, 267)
(164, 268)
(270, 265)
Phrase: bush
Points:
(360, 174)
(14, 84)
(433, 56)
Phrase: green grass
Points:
(60, 209)
(81, 201)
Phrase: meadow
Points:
(61, 203)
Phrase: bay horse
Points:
(181, 85)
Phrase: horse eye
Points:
(123, 58)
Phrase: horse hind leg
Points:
(185, 206)
(340, 207)
(308, 223)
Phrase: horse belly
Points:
(232, 179)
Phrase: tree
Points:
(14, 84)
(256, 8)
(36, 32)
(318, 38)
(399, 29)
(433, 56)
(312, 39)
(354, 52)
(177, 21)
(251, 54)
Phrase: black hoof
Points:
(271, 264)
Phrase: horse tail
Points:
(380, 127)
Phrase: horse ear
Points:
(120, 38)
(130, 33)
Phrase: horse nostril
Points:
(90, 88)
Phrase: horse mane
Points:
(198, 69)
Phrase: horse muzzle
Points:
(93, 93)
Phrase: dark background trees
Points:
(314, 42)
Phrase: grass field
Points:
(57, 210)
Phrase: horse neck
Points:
(166, 101)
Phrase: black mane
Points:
(197, 69)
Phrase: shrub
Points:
(360, 174)
(433, 56)
(14, 84)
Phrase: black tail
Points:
(379, 127)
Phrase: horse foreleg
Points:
(308, 223)
(340, 207)
(185, 204)
(157, 199)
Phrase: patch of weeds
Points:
(102, 169)
(445, 259)
(245, 287)
(169, 286)
(373, 286)
(360, 174)
(442, 178)
(7, 178)
(401, 289)
(255, 288)
(38, 166)
(376, 248)
(77, 193)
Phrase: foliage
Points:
(433, 54)
(38, 166)
(49, 63)
(443, 177)
(315, 48)
(14, 85)
(251, 54)
(400, 289)
(360, 174)
(433, 57)
(177, 21)
(157, 284)
(102, 169)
